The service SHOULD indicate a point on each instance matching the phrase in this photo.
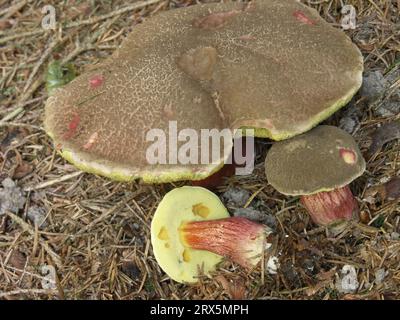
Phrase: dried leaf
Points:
(364, 217)
(131, 270)
(234, 288)
(314, 289)
(13, 137)
(366, 46)
(17, 260)
(80, 10)
(387, 191)
(5, 24)
(392, 189)
(326, 275)
(384, 134)
(22, 170)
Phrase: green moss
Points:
(58, 75)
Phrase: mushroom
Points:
(274, 66)
(191, 231)
(242, 154)
(318, 166)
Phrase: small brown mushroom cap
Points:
(274, 65)
(322, 159)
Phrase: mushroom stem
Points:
(229, 169)
(236, 238)
(332, 207)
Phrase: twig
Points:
(22, 35)
(27, 291)
(42, 59)
(118, 12)
(102, 216)
(10, 11)
(20, 105)
(22, 125)
(89, 45)
(55, 181)
(252, 197)
(26, 227)
(93, 20)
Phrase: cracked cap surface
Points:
(276, 66)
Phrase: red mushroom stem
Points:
(332, 207)
(228, 170)
(237, 238)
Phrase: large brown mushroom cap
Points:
(322, 159)
(103, 129)
(274, 65)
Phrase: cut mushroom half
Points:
(191, 232)
(275, 66)
(318, 166)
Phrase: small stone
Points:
(17, 259)
(8, 183)
(395, 236)
(38, 196)
(388, 108)
(256, 215)
(11, 197)
(348, 283)
(236, 197)
(136, 226)
(139, 242)
(348, 124)
(373, 85)
(380, 275)
(131, 270)
(272, 265)
(38, 216)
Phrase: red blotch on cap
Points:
(96, 81)
(303, 18)
(348, 156)
(72, 126)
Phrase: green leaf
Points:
(58, 75)
(378, 223)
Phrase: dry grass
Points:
(97, 233)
